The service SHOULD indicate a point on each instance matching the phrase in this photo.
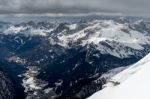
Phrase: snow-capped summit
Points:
(132, 83)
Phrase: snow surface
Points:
(132, 83)
(30, 81)
(72, 26)
(14, 30)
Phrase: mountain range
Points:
(69, 60)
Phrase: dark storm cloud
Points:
(137, 7)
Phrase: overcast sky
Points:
(133, 7)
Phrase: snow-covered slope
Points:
(132, 83)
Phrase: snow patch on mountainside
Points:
(14, 30)
(34, 87)
(72, 26)
(27, 30)
(132, 83)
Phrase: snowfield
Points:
(132, 83)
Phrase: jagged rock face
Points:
(6, 87)
(65, 60)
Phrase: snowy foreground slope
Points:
(132, 83)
